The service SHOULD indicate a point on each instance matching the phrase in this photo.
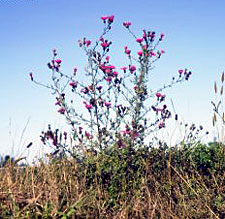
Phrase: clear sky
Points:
(30, 29)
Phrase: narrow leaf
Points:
(29, 145)
(222, 77)
(213, 121)
(218, 105)
(215, 87)
(221, 90)
(215, 117)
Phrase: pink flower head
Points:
(132, 68)
(87, 42)
(127, 51)
(108, 79)
(126, 24)
(99, 87)
(161, 36)
(139, 40)
(104, 44)
(108, 70)
(180, 71)
(108, 104)
(107, 58)
(62, 110)
(73, 84)
(144, 47)
(104, 18)
(115, 73)
(135, 87)
(111, 67)
(111, 19)
(88, 135)
(140, 53)
(152, 34)
(84, 90)
(88, 106)
(152, 53)
(74, 71)
(144, 34)
(57, 103)
(158, 95)
(158, 110)
(124, 69)
(103, 67)
(58, 61)
(91, 88)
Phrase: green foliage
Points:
(185, 181)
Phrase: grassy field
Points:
(183, 182)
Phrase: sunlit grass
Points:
(119, 183)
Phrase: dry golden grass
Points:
(71, 189)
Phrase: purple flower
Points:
(104, 18)
(104, 44)
(127, 24)
(158, 95)
(132, 68)
(62, 110)
(58, 61)
(139, 40)
(99, 88)
(84, 90)
(75, 71)
(124, 69)
(108, 104)
(88, 42)
(140, 53)
(161, 36)
(88, 106)
(127, 51)
(88, 135)
(180, 71)
(111, 19)
(73, 84)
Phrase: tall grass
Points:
(181, 182)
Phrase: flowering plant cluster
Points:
(119, 107)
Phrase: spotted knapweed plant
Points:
(119, 106)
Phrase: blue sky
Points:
(30, 29)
